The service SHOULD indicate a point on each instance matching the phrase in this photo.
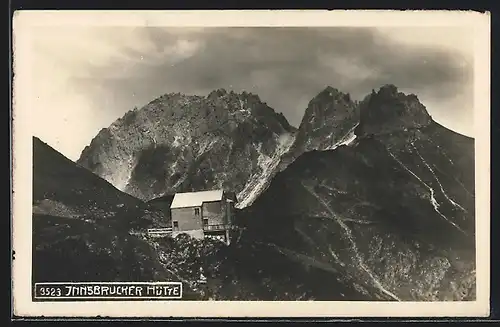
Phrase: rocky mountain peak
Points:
(235, 101)
(244, 105)
(217, 93)
(175, 142)
(329, 116)
(389, 110)
(330, 93)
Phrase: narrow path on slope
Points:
(301, 258)
(354, 246)
(437, 180)
(434, 203)
(456, 180)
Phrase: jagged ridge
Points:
(234, 141)
(183, 143)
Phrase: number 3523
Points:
(50, 291)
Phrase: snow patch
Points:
(263, 160)
(259, 181)
(346, 140)
(122, 174)
(349, 139)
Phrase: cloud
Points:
(97, 74)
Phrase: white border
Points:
(22, 153)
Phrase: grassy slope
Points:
(62, 188)
(81, 226)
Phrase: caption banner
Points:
(108, 291)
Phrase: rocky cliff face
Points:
(389, 110)
(188, 143)
(225, 140)
(328, 120)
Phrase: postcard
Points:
(251, 164)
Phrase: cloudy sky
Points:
(86, 77)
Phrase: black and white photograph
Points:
(199, 158)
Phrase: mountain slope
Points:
(186, 143)
(248, 270)
(62, 188)
(329, 121)
(89, 252)
(82, 225)
(389, 110)
(393, 210)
